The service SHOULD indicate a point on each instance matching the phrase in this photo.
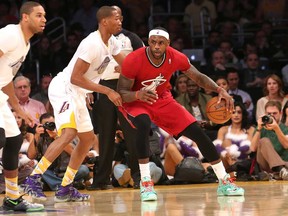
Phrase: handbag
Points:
(190, 169)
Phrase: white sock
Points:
(219, 170)
(145, 170)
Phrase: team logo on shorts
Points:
(151, 84)
(64, 107)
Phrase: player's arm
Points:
(124, 88)
(205, 82)
(78, 78)
(119, 58)
(14, 103)
(1, 53)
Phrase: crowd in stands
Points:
(254, 71)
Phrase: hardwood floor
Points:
(261, 198)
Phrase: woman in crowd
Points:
(234, 140)
(273, 90)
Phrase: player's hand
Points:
(27, 118)
(117, 69)
(147, 96)
(115, 97)
(223, 94)
(89, 100)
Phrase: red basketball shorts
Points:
(166, 113)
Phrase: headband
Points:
(159, 32)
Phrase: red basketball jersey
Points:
(137, 66)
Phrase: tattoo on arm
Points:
(124, 89)
(201, 79)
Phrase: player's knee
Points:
(2, 138)
(10, 154)
(67, 136)
(143, 122)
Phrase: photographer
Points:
(270, 140)
(44, 136)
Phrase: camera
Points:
(267, 119)
(49, 126)
(92, 160)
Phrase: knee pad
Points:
(11, 150)
(2, 138)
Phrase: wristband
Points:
(136, 95)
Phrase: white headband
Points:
(159, 32)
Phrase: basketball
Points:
(217, 112)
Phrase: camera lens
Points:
(267, 119)
(49, 126)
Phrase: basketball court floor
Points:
(261, 198)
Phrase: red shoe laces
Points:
(148, 185)
(231, 180)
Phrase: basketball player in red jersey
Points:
(145, 90)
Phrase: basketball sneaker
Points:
(33, 187)
(228, 188)
(69, 193)
(21, 205)
(147, 191)
(283, 173)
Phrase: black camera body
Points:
(49, 126)
(267, 119)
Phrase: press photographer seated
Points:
(270, 140)
(45, 133)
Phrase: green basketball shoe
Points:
(147, 191)
(228, 188)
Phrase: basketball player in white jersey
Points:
(67, 92)
(14, 46)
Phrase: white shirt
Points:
(93, 51)
(15, 49)
(126, 47)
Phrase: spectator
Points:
(64, 52)
(44, 54)
(195, 102)
(42, 95)
(217, 66)
(253, 77)
(22, 90)
(229, 52)
(180, 85)
(270, 142)
(264, 48)
(212, 45)
(273, 90)
(248, 48)
(234, 140)
(233, 82)
(284, 118)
